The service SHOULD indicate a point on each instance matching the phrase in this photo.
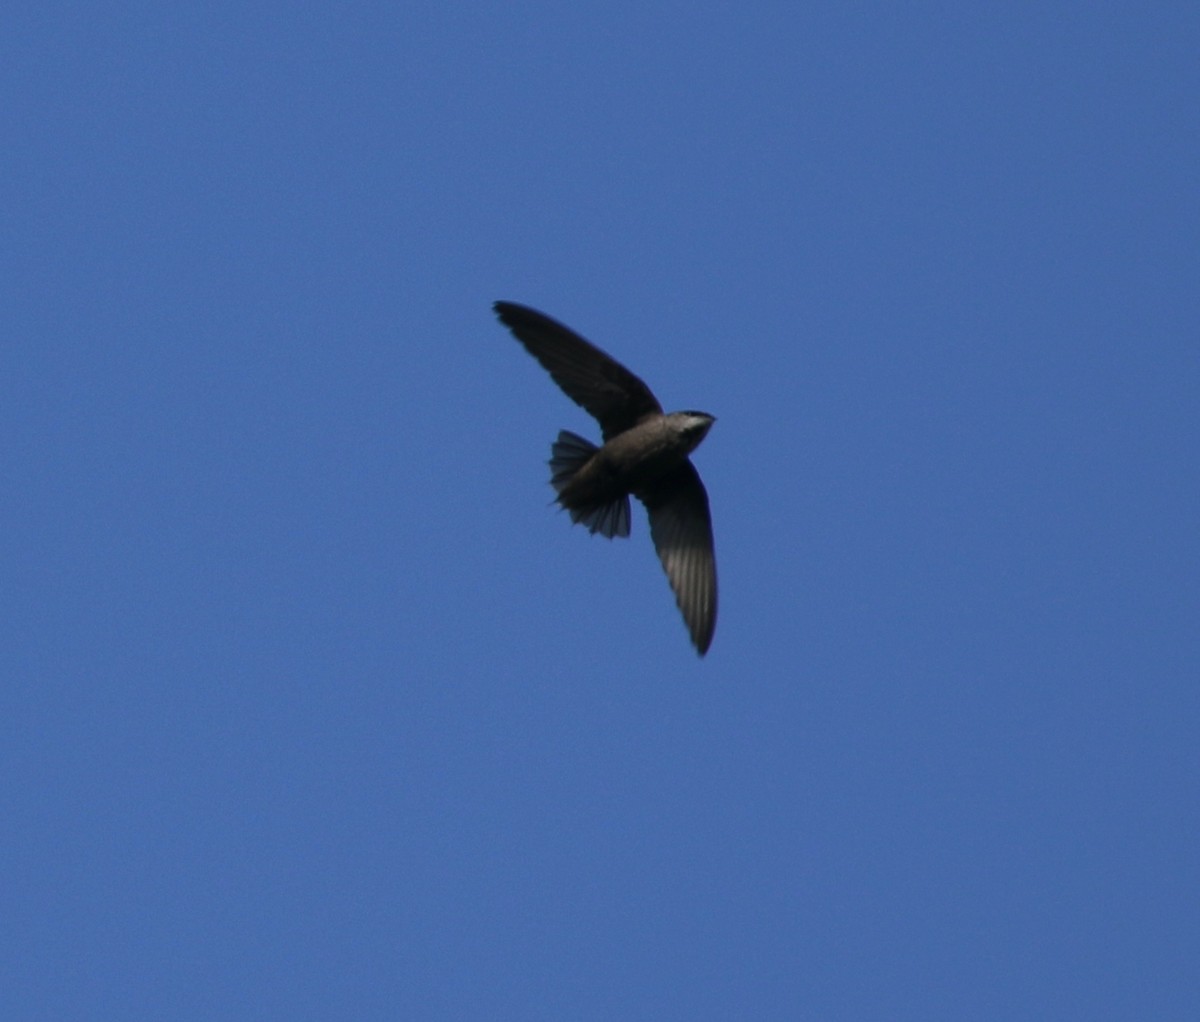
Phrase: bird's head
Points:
(692, 426)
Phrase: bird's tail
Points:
(568, 454)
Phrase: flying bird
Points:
(645, 453)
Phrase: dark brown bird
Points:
(645, 453)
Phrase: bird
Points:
(644, 454)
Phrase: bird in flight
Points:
(645, 453)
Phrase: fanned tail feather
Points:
(568, 454)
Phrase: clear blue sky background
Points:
(313, 708)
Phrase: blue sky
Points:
(313, 708)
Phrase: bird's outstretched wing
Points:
(595, 381)
(682, 531)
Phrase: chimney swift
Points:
(645, 453)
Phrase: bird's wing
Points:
(597, 382)
(682, 531)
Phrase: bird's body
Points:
(631, 461)
(645, 454)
